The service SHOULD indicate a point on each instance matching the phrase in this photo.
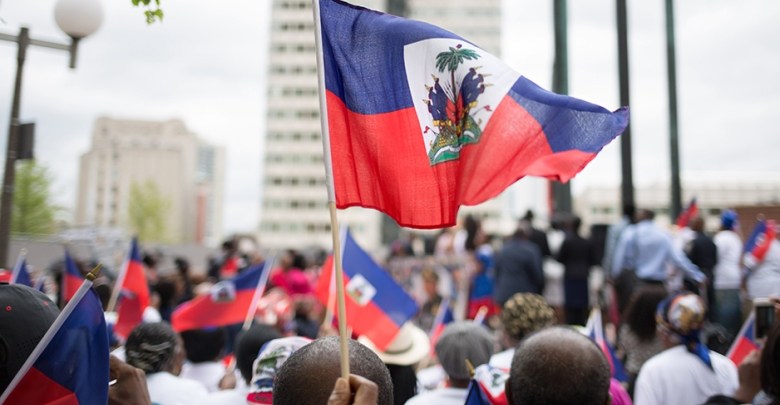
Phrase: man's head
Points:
(729, 220)
(459, 342)
(204, 344)
(430, 282)
(309, 375)
(248, 344)
(558, 366)
(153, 347)
(644, 215)
(25, 316)
(523, 314)
(697, 223)
(523, 231)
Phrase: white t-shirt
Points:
(677, 377)
(441, 396)
(764, 279)
(167, 389)
(727, 271)
(208, 373)
(502, 360)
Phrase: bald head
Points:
(558, 366)
(310, 373)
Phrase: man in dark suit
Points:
(518, 267)
(577, 256)
(537, 237)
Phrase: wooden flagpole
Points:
(334, 224)
(268, 266)
(120, 279)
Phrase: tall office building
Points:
(294, 211)
(188, 172)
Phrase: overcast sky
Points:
(206, 65)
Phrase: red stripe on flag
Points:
(129, 315)
(37, 388)
(72, 284)
(203, 312)
(367, 171)
(367, 320)
(135, 281)
(742, 349)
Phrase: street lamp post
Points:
(78, 19)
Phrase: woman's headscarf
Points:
(683, 314)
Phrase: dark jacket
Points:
(518, 268)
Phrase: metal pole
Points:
(561, 192)
(626, 166)
(674, 142)
(9, 177)
(397, 7)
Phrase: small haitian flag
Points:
(20, 274)
(70, 363)
(595, 331)
(745, 342)
(71, 278)
(227, 303)
(376, 305)
(134, 293)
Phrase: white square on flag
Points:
(480, 77)
(360, 290)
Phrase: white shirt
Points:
(441, 396)
(227, 397)
(764, 278)
(727, 272)
(208, 373)
(167, 389)
(502, 360)
(677, 377)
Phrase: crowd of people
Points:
(673, 304)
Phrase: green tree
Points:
(153, 12)
(33, 210)
(147, 211)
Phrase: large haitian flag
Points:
(376, 305)
(70, 363)
(422, 121)
(227, 303)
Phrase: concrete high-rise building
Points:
(188, 172)
(294, 207)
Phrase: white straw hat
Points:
(410, 346)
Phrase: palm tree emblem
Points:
(450, 105)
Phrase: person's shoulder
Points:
(502, 359)
(660, 361)
(192, 386)
(720, 361)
